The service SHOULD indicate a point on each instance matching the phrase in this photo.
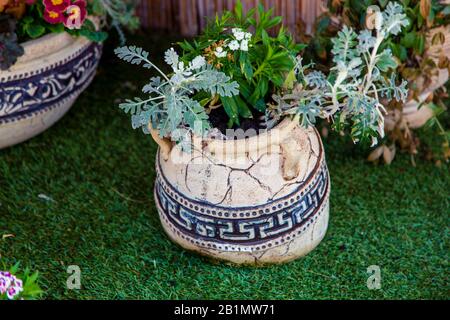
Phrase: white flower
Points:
(244, 45)
(234, 45)
(220, 53)
(248, 36)
(197, 63)
(238, 34)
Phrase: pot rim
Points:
(47, 37)
(257, 142)
(47, 48)
(44, 53)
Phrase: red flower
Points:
(53, 17)
(76, 14)
(56, 5)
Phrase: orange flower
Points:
(3, 4)
(12, 7)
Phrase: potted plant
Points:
(49, 51)
(260, 195)
(19, 285)
(422, 52)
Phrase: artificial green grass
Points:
(100, 175)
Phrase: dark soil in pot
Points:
(219, 119)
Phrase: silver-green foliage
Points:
(121, 13)
(170, 108)
(360, 77)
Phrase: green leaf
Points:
(89, 25)
(261, 10)
(56, 28)
(383, 3)
(300, 46)
(238, 10)
(263, 87)
(89, 31)
(385, 61)
(15, 268)
(186, 46)
(274, 22)
(260, 105)
(419, 46)
(246, 67)
(399, 51)
(265, 38)
(231, 109)
(245, 89)
(290, 80)
(33, 277)
(95, 36)
(27, 20)
(322, 24)
(34, 30)
(409, 40)
(243, 109)
(97, 8)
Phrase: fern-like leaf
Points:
(394, 18)
(133, 55)
(132, 107)
(316, 79)
(215, 82)
(344, 45)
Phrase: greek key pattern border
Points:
(278, 224)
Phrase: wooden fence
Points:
(188, 16)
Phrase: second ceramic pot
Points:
(44, 83)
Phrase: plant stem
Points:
(373, 59)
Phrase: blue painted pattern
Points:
(20, 98)
(276, 221)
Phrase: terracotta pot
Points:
(45, 82)
(413, 114)
(257, 200)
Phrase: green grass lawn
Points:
(100, 175)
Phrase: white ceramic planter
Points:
(42, 86)
(259, 200)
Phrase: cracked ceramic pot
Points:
(258, 200)
(44, 83)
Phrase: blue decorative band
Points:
(238, 226)
(27, 96)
